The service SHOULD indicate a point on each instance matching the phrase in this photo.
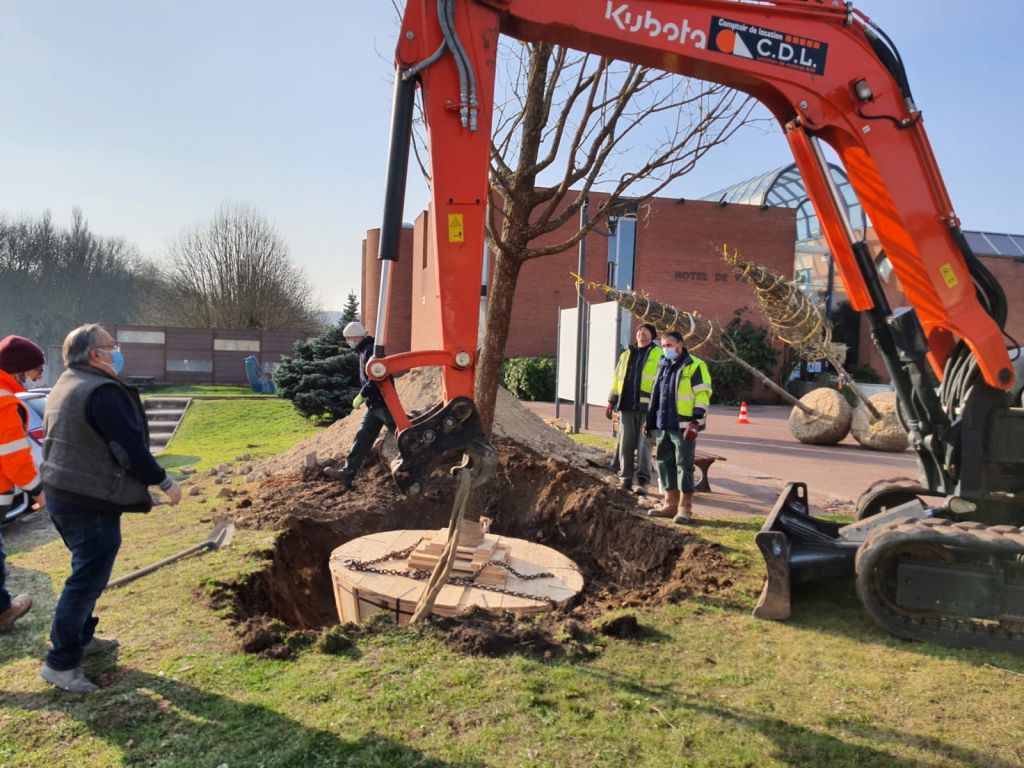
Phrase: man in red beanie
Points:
(21, 363)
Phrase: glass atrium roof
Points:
(784, 188)
(993, 244)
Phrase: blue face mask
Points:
(671, 353)
(117, 361)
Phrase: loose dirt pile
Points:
(420, 389)
(542, 493)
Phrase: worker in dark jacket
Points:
(21, 364)
(631, 397)
(377, 415)
(679, 404)
(96, 465)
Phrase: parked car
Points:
(35, 403)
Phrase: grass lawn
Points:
(707, 686)
(201, 390)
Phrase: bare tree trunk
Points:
(499, 316)
(767, 381)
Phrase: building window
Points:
(189, 366)
(803, 277)
(236, 345)
(140, 337)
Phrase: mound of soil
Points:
(546, 491)
(420, 389)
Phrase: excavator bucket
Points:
(438, 434)
(798, 548)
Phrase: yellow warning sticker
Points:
(949, 275)
(456, 232)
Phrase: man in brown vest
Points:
(96, 465)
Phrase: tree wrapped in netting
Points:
(798, 321)
(819, 425)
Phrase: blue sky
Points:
(150, 115)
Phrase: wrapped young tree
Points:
(799, 322)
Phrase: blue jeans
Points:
(94, 539)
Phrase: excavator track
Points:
(953, 583)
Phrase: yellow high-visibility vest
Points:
(647, 375)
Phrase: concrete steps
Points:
(163, 415)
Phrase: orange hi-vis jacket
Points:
(17, 467)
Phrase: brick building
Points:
(769, 219)
(676, 261)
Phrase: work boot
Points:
(669, 508)
(640, 489)
(342, 477)
(626, 485)
(99, 645)
(72, 680)
(685, 510)
(20, 605)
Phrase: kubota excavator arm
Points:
(824, 72)
(828, 74)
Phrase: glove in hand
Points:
(691, 431)
(608, 411)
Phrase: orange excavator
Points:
(949, 571)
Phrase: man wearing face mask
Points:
(679, 404)
(21, 365)
(377, 415)
(96, 465)
(631, 397)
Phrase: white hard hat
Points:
(355, 328)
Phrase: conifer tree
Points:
(321, 377)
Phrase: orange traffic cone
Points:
(743, 414)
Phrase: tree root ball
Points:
(884, 434)
(828, 428)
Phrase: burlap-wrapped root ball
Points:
(884, 434)
(828, 428)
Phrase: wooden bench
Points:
(702, 461)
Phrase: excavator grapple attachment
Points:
(441, 433)
(798, 548)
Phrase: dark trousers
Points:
(374, 420)
(5, 596)
(632, 443)
(675, 460)
(93, 539)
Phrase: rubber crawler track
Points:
(1004, 543)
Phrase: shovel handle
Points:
(166, 561)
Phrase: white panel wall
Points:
(602, 353)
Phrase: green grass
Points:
(600, 441)
(214, 431)
(709, 686)
(201, 390)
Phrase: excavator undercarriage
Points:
(919, 575)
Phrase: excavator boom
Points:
(828, 74)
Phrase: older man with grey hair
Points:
(96, 465)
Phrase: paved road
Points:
(762, 456)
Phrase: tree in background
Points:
(321, 377)
(571, 121)
(753, 344)
(236, 272)
(52, 279)
(351, 309)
